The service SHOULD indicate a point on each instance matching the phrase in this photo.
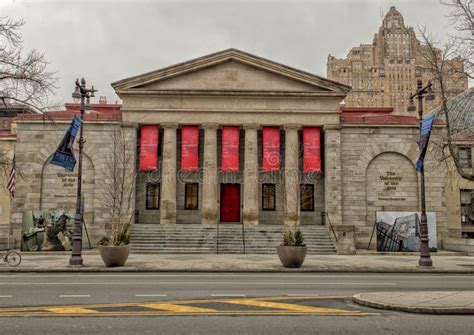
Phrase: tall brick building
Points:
(384, 73)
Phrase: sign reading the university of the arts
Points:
(311, 149)
(64, 155)
(149, 148)
(271, 149)
(230, 149)
(189, 148)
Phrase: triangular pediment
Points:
(230, 71)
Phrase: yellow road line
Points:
(285, 306)
(71, 310)
(177, 308)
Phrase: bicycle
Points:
(12, 258)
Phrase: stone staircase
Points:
(197, 238)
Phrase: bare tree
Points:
(24, 77)
(445, 61)
(119, 187)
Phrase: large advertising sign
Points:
(271, 149)
(230, 149)
(311, 149)
(149, 148)
(189, 148)
(400, 231)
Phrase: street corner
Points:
(423, 302)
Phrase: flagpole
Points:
(425, 258)
(76, 254)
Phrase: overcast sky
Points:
(107, 40)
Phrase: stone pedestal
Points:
(168, 175)
(250, 210)
(292, 185)
(209, 186)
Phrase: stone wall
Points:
(42, 186)
(378, 174)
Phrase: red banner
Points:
(230, 149)
(189, 148)
(271, 149)
(311, 149)
(149, 148)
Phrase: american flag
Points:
(12, 178)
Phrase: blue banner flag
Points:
(64, 155)
(426, 127)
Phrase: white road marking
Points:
(193, 283)
(6, 296)
(302, 295)
(151, 295)
(74, 295)
(228, 295)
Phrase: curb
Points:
(276, 269)
(357, 298)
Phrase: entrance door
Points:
(230, 202)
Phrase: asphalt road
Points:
(32, 290)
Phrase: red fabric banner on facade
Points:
(311, 149)
(271, 149)
(189, 148)
(230, 149)
(149, 148)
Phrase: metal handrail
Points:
(326, 215)
(217, 237)
(243, 236)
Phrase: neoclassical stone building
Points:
(294, 153)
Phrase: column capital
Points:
(292, 126)
(172, 125)
(210, 125)
(251, 126)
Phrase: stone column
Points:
(292, 184)
(168, 175)
(250, 212)
(210, 182)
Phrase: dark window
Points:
(467, 207)
(191, 195)
(465, 159)
(152, 196)
(5, 123)
(268, 197)
(307, 197)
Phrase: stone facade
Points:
(384, 73)
(367, 161)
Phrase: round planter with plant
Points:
(292, 251)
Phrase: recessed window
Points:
(465, 159)
(307, 197)
(153, 196)
(191, 196)
(467, 207)
(5, 123)
(268, 197)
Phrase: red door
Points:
(230, 202)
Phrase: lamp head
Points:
(76, 95)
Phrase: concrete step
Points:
(197, 238)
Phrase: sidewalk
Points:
(58, 262)
(445, 302)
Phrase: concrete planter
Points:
(114, 255)
(291, 257)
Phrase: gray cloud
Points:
(105, 41)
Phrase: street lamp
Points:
(427, 93)
(80, 93)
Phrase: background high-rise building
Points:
(384, 73)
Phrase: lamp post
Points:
(427, 93)
(80, 93)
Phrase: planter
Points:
(114, 255)
(291, 257)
